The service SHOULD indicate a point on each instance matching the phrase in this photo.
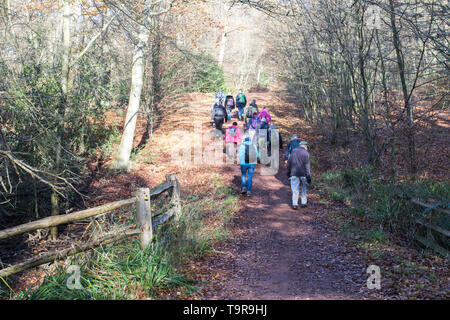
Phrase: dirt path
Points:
(280, 253)
(275, 252)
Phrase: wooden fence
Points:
(144, 220)
(432, 211)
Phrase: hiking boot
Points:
(303, 206)
(249, 193)
(294, 207)
(243, 190)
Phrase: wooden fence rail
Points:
(429, 241)
(142, 198)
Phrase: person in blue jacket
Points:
(248, 156)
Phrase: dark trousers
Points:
(218, 122)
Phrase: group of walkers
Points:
(221, 110)
(256, 138)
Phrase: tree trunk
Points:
(67, 14)
(407, 106)
(137, 80)
(156, 65)
(223, 43)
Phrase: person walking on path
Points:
(219, 95)
(252, 126)
(229, 104)
(294, 144)
(248, 156)
(233, 137)
(249, 111)
(218, 114)
(298, 172)
(254, 105)
(266, 115)
(241, 102)
(261, 134)
(272, 130)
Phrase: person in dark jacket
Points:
(269, 139)
(298, 171)
(261, 139)
(229, 104)
(218, 115)
(254, 105)
(241, 102)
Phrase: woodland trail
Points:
(271, 251)
(275, 252)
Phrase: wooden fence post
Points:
(54, 201)
(175, 193)
(144, 217)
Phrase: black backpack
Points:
(229, 102)
(250, 154)
(249, 113)
(219, 111)
(263, 126)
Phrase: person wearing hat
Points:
(248, 156)
(298, 172)
(294, 144)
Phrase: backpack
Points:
(247, 155)
(241, 98)
(249, 113)
(219, 112)
(254, 123)
(262, 126)
(269, 134)
(229, 102)
(293, 145)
